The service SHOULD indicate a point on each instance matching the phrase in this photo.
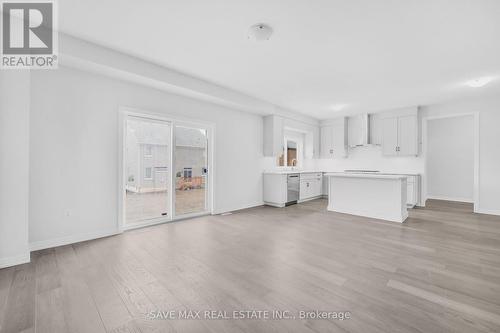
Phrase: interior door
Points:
(190, 170)
(390, 136)
(407, 135)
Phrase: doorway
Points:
(165, 169)
(451, 158)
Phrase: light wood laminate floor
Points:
(438, 272)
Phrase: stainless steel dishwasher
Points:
(293, 188)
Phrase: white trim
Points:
(273, 204)
(475, 115)
(311, 198)
(66, 240)
(438, 197)
(246, 206)
(122, 123)
(146, 223)
(488, 211)
(15, 260)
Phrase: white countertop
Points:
(286, 172)
(364, 175)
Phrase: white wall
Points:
(450, 158)
(74, 151)
(14, 163)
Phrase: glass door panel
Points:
(147, 169)
(190, 156)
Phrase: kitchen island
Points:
(371, 195)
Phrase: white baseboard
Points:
(250, 205)
(46, 244)
(16, 260)
(488, 211)
(309, 199)
(273, 204)
(437, 197)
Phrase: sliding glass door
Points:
(191, 170)
(147, 169)
(165, 170)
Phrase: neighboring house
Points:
(148, 157)
(190, 158)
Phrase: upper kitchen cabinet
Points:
(357, 129)
(334, 139)
(375, 133)
(273, 135)
(400, 133)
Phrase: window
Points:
(148, 150)
(292, 154)
(148, 173)
(188, 172)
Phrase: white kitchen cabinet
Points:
(413, 190)
(334, 139)
(408, 135)
(357, 130)
(400, 135)
(275, 189)
(311, 186)
(375, 129)
(305, 190)
(390, 136)
(273, 135)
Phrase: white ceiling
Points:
(368, 54)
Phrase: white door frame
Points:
(425, 121)
(123, 114)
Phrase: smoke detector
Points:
(260, 32)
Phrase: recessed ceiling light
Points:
(338, 107)
(480, 82)
(260, 32)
